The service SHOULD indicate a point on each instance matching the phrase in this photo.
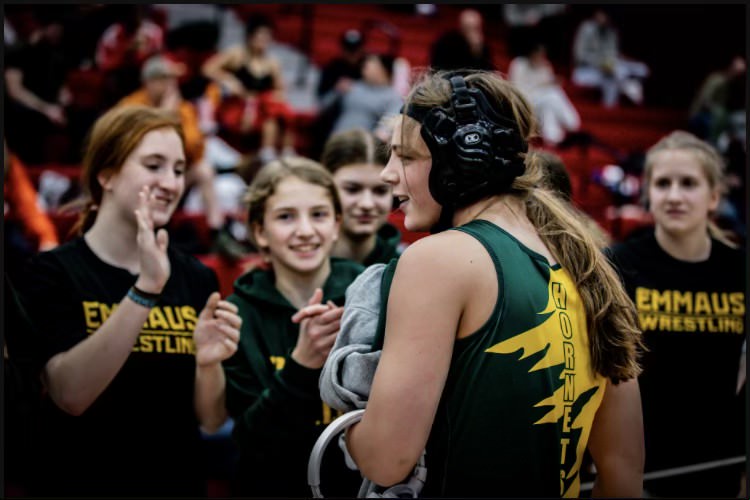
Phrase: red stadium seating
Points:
(228, 271)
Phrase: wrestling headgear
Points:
(475, 150)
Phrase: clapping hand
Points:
(319, 326)
(152, 246)
(217, 331)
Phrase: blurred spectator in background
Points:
(339, 73)
(535, 77)
(9, 32)
(336, 78)
(717, 113)
(191, 44)
(19, 21)
(81, 44)
(177, 15)
(28, 229)
(464, 47)
(160, 90)
(370, 101)
(598, 62)
(529, 23)
(124, 47)
(88, 84)
(251, 91)
(557, 179)
(736, 199)
(35, 91)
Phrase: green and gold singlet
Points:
(519, 402)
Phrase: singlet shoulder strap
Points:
(486, 233)
(385, 288)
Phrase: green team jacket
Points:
(274, 401)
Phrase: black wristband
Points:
(146, 295)
(142, 298)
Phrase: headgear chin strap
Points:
(475, 151)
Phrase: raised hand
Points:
(55, 113)
(319, 326)
(152, 247)
(233, 86)
(172, 99)
(217, 332)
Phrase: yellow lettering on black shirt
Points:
(168, 329)
(681, 311)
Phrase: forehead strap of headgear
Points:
(459, 110)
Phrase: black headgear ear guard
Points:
(475, 151)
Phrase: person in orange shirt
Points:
(21, 204)
(27, 228)
(160, 90)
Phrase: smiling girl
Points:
(294, 215)
(133, 331)
(688, 284)
(356, 158)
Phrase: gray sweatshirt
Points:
(347, 374)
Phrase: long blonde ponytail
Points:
(612, 320)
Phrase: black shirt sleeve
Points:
(53, 306)
(16, 56)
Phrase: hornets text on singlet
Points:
(521, 393)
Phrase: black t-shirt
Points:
(43, 66)
(451, 51)
(693, 316)
(252, 82)
(21, 384)
(141, 436)
(336, 69)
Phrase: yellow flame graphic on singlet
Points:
(579, 390)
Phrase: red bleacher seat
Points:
(86, 87)
(63, 223)
(228, 271)
(194, 222)
(624, 220)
